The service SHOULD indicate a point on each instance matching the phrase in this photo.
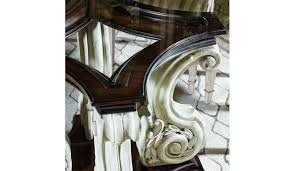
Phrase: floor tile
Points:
(221, 129)
(223, 115)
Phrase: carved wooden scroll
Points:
(172, 132)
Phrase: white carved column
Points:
(83, 46)
(112, 136)
(96, 47)
(112, 133)
(174, 132)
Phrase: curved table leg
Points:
(174, 131)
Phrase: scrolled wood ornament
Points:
(177, 133)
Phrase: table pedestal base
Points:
(83, 158)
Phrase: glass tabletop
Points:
(177, 32)
(136, 17)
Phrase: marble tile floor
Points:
(215, 155)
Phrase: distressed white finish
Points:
(176, 131)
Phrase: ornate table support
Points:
(171, 132)
(112, 140)
(112, 147)
(177, 131)
(112, 135)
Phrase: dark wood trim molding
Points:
(177, 32)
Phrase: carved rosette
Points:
(177, 132)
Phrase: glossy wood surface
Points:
(177, 32)
(126, 88)
(153, 22)
(77, 15)
(82, 150)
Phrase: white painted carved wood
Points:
(112, 140)
(112, 133)
(95, 46)
(174, 132)
(169, 132)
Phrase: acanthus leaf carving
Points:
(156, 144)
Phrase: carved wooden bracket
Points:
(176, 132)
